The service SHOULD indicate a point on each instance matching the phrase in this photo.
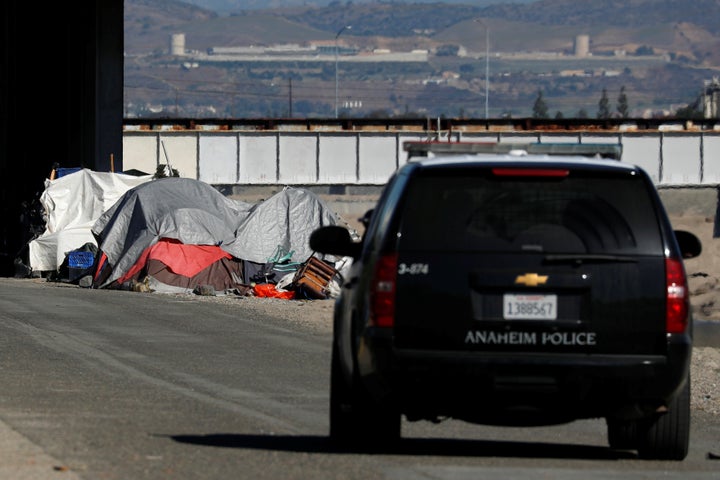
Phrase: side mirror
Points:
(335, 240)
(690, 246)
(365, 219)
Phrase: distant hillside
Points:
(659, 52)
(234, 6)
(148, 24)
(611, 13)
(682, 29)
(688, 28)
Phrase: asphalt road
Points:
(103, 384)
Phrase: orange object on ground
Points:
(270, 291)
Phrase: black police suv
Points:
(514, 284)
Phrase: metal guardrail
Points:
(429, 125)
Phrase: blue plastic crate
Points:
(81, 259)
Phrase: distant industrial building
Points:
(582, 46)
(177, 44)
(317, 51)
(711, 98)
(252, 50)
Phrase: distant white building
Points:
(582, 46)
(177, 44)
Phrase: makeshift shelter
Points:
(169, 266)
(72, 203)
(177, 234)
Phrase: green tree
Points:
(540, 108)
(603, 105)
(622, 105)
(582, 113)
(644, 50)
(691, 111)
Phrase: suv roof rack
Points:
(422, 149)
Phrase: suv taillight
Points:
(676, 317)
(382, 291)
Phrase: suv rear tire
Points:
(667, 436)
(354, 418)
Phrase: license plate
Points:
(529, 307)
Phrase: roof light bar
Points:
(602, 150)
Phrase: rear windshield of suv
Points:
(587, 212)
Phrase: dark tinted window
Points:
(582, 213)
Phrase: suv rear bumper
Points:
(549, 387)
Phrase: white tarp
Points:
(72, 204)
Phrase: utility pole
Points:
(487, 65)
(290, 96)
(346, 27)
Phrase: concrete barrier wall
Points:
(369, 158)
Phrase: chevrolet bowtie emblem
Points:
(531, 279)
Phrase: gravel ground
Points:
(704, 282)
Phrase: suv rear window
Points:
(586, 212)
